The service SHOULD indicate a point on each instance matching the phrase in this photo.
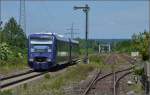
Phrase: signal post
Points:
(85, 10)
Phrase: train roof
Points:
(58, 37)
(44, 33)
(55, 34)
(62, 38)
(35, 34)
(74, 41)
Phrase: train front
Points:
(40, 55)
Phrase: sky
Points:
(107, 19)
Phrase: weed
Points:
(54, 84)
(12, 65)
(25, 86)
(8, 92)
(47, 76)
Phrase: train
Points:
(47, 50)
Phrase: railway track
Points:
(12, 81)
(117, 81)
(117, 75)
(9, 82)
(128, 58)
(15, 75)
(99, 78)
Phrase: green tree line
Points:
(12, 40)
(92, 46)
(139, 42)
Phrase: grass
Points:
(137, 88)
(54, 84)
(8, 92)
(12, 65)
(98, 61)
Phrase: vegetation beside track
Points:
(13, 51)
(8, 92)
(14, 65)
(137, 88)
(54, 84)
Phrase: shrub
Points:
(47, 76)
(139, 71)
(145, 56)
(5, 51)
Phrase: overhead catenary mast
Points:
(0, 13)
(22, 18)
(72, 33)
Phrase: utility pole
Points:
(22, 18)
(147, 68)
(72, 33)
(1, 36)
(85, 10)
(0, 13)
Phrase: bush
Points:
(145, 56)
(5, 51)
(139, 71)
(47, 76)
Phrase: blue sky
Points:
(107, 19)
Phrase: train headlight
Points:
(49, 50)
(31, 59)
(48, 60)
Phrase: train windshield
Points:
(41, 44)
(41, 39)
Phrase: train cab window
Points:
(41, 38)
(41, 48)
(41, 44)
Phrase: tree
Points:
(13, 34)
(122, 46)
(140, 43)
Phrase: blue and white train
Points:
(46, 50)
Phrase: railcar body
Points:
(48, 50)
